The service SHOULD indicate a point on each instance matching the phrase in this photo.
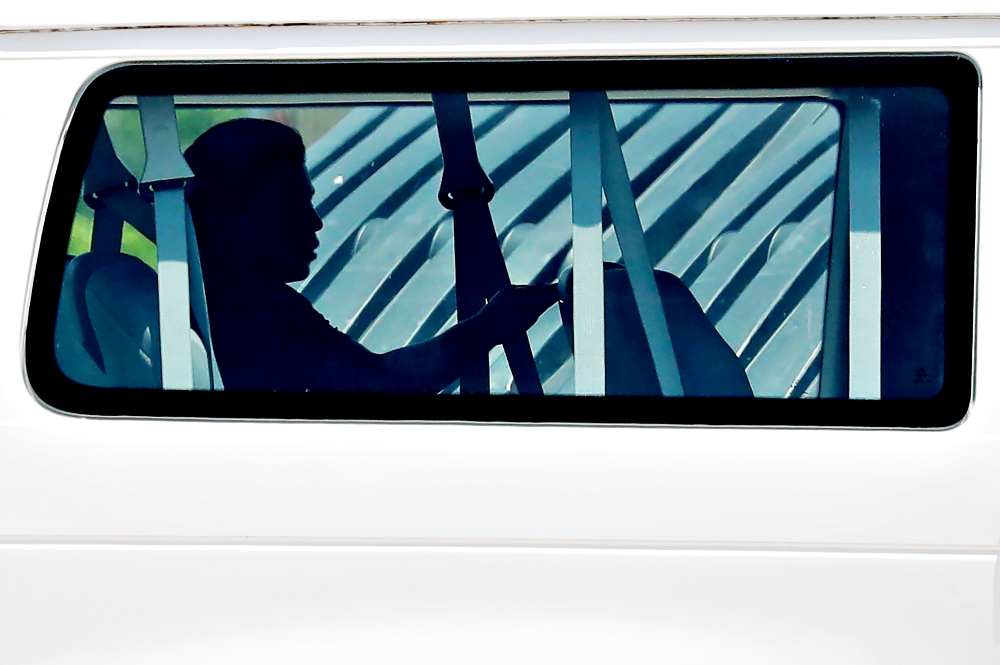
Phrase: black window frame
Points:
(955, 75)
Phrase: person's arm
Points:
(431, 366)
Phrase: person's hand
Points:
(515, 308)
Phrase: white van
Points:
(438, 336)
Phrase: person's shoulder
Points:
(296, 305)
(278, 308)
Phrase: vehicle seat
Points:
(707, 365)
(107, 325)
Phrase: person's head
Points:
(251, 200)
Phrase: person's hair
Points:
(232, 160)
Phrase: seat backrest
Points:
(107, 325)
(78, 353)
(707, 365)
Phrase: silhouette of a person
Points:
(252, 211)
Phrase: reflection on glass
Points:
(736, 202)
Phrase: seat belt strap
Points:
(628, 229)
(164, 177)
(105, 181)
(199, 303)
(480, 270)
(589, 367)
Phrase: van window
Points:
(772, 254)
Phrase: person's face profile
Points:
(284, 223)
